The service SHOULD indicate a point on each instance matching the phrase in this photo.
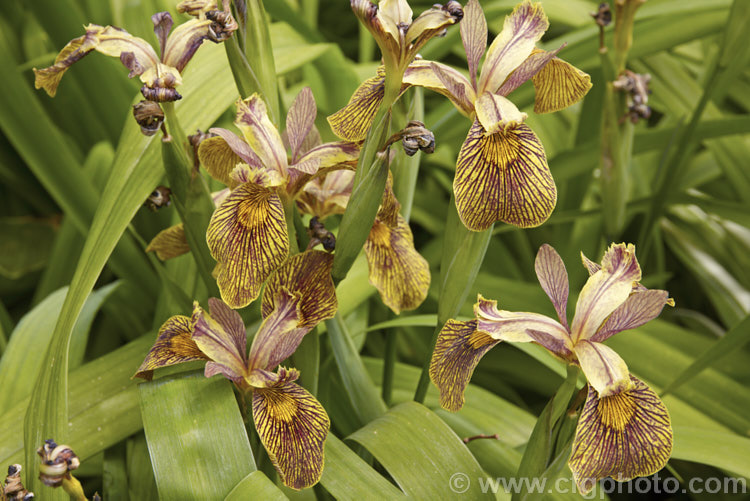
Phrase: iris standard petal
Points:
(300, 120)
(293, 426)
(169, 243)
(108, 40)
(308, 276)
(264, 139)
(474, 37)
(604, 369)
(553, 277)
(353, 121)
(622, 436)
(638, 309)
(458, 350)
(522, 327)
(558, 85)
(173, 346)
(393, 14)
(248, 237)
(505, 177)
(397, 270)
(521, 31)
(278, 335)
(605, 290)
(221, 335)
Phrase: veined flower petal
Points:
(393, 14)
(429, 24)
(293, 426)
(307, 275)
(503, 176)
(352, 122)
(444, 80)
(220, 155)
(397, 270)
(388, 212)
(638, 309)
(553, 277)
(300, 120)
(218, 159)
(327, 155)
(458, 350)
(558, 85)
(247, 235)
(173, 346)
(244, 173)
(474, 37)
(530, 67)
(264, 139)
(109, 41)
(162, 26)
(604, 369)
(324, 196)
(221, 335)
(522, 327)
(278, 335)
(622, 436)
(184, 41)
(169, 243)
(497, 113)
(521, 31)
(605, 290)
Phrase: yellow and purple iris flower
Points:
(291, 423)
(501, 170)
(160, 75)
(624, 430)
(247, 234)
(399, 273)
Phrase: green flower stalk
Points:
(291, 423)
(624, 430)
(399, 40)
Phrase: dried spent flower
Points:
(57, 462)
(158, 198)
(320, 235)
(149, 116)
(635, 85)
(13, 490)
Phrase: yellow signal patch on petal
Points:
(173, 345)
(503, 176)
(352, 122)
(622, 436)
(397, 270)
(247, 236)
(293, 426)
(458, 350)
(169, 243)
(558, 85)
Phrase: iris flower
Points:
(624, 430)
(291, 423)
(247, 234)
(399, 273)
(501, 170)
(160, 75)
